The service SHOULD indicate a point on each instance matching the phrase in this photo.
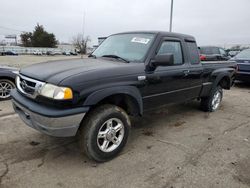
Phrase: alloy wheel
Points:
(110, 135)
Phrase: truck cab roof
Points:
(162, 33)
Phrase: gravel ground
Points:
(176, 146)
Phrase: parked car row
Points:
(52, 53)
(11, 53)
(68, 53)
(242, 58)
(40, 53)
(213, 53)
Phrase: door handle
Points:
(186, 72)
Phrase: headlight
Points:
(55, 92)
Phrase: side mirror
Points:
(163, 60)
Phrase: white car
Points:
(37, 52)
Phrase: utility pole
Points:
(171, 16)
(83, 23)
(83, 32)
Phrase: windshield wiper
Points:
(116, 57)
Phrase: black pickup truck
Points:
(126, 75)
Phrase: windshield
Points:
(132, 47)
(243, 55)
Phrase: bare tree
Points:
(81, 43)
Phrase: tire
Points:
(5, 87)
(212, 103)
(103, 124)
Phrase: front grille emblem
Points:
(28, 86)
(24, 84)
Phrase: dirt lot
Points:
(177, 146)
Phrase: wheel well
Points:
(126, 102)
(225, 82)
(7, 78)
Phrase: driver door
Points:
(167, 84)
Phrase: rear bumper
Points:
(243, 76)
(51, 121)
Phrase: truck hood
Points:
(56, 71)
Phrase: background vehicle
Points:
(129, 73)
(2, 53)
(73, 53)
(243, 62)
(11, 53)
(67, 53)
(7, 81)
(212, 53)
(37, 52)
(53, 53)
(233, 53)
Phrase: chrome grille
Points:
(28, 86)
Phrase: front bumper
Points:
(51, 121)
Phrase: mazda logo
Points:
(24, 84)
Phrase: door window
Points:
(172, 47)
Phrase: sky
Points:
(210, 21)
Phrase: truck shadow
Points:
(45, 149)
(165, 113)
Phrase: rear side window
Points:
(193, 53)
(173, 47)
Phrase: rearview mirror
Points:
(163, 60)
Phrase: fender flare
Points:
(219, 77)
(9, 76)
(99, 95)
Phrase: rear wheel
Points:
(5, 87)
(104, 133)
(212, 103)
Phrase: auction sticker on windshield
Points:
(140, 40)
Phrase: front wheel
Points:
(104, 133)
(212, 103)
